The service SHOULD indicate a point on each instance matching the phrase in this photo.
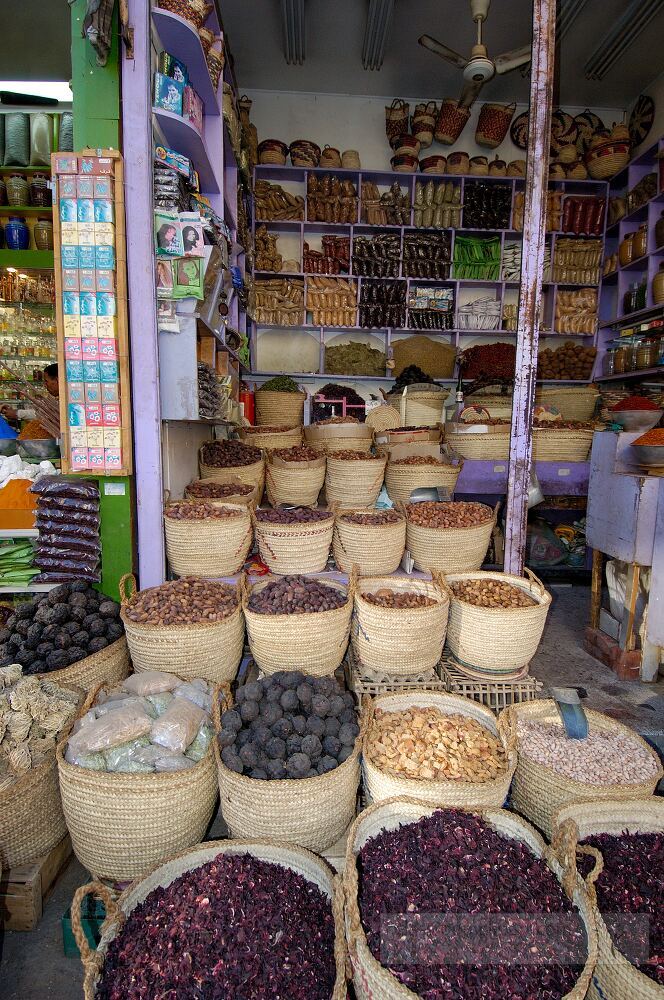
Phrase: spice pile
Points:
(205, 489)
(354, 358)
(288, 725)
(336, 420)
(497, 360)
(448, 515)
(604, 757)
(280, 383)
(296, 595)
(492, 594)
(570, 361)
(188, 601)
(427, 743)
(247, 928)
(33, 713)
(298, 453)
(453, 863)
(653, 437)
(635, 403)
(386, 598)
(228, 454)
(293, 515)
(152, 722)
(199, 510)
(57, 630)
(371, 519)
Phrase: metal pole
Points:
(532, 261)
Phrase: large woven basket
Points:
(271, 437)
(31, 817)
(209, 547)
(295, 548)
(294, 483)
(309, 812)
(380, 785)
(561, 444)
(253, 475)
(614, 978)
(245, 498)
(279, 409)
(419, 407)
(401, 480)
(374, 982)
(574, 403)
(109, 666)
(212, 651)
(376, 550)
(497, 405)
(538, 792)
(353, 482)
(121, 824)
(314, 643)
(449, 550)
(338, 437)
(399, 641)
(313, 869)
(494, 444)
(497, 640)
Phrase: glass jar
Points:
(634, 350)
(640, 242)
(17, 190)
(622, 359)
(609, 364)
(629, 299)
(647, 352)
(626, 250)
(40, 192)
(641, 296)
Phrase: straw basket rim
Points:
(125, 601)
(542, 596)
(284, 616)
(399, 583)
(461, 527)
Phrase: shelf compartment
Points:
(182, 136)
(181, 40)
(28, 260)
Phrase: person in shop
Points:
(52, 386)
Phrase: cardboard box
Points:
(105, 280)
(71, 326)
(108, 348)
(111, 415)
(93, 415)
(104, 234)
(85, 210)
(91, 372)
(86, 234)
(108, 371)
(92, 392)
(69, 233)
(112, 458)
(106, 304)
(73, 349)
(68, 210)
(86, 256)
(71, 303)
(103, 210)
(85, 187)
(96, 165)
(95, 436)
(69, 254)
(88, 303)
(110, 392)
(105, 257)
(107, 327)
(103, 187)
(74, 371)
(112, 437)
(78, 437)
(76, 414)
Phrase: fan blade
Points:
(512, 60)
(470, 92)
(442, 50)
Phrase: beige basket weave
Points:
(296, 859)
(498, 406)
(252, 475)
(495, 444)
(614, 978)
(294, 548)
(338, 437)
(237, 498)
(109, 666)
(399, 641)
(401, 480)
(561, 445)
(450, 550)
(380, 785)
(209, 547)
(538, 792)
(374, 982)
(382, 418)
(121, 824)
(419, 408)
(353, 482)
(212, 651)
(279, 409)
(375, 550)
(497, 640)
(270, 438)
(573, 403)
(314, 643)
(297, 483)
(309, 812)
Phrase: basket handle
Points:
(240, 587)
(127, 588)
(340, 952)
(91, 959)
(506, 725)
(352, 581)
(536, 580)
(442, 584)
(167, 497)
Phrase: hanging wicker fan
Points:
(587, 124)
(641, 119)
(564, 130)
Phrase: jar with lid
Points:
(635, 347)
(609, 365)
(40, 192)
(641, 295)
(647, 352)
(43, 233)
(629, 299)
(658, 286)
(17, 190)
(622, 358)
(626, 249)
(640, 242)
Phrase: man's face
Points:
(51, 385)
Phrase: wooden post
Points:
(631, 593)
(596, 588)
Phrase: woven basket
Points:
(121, 824)
(338, 437)
(380, 785)
(253, 475)
(294, 548)
(270, 438)
(194, 12)
(279, 409)
(309, 812)
(401, 480)
(495, 444)
(307, 865)
(614, 977)
(497, 640)
(561, 445)
(493, 123)
(538, 792)
(382, 418)
(451, 121)
(574, 403)
(401, 641)
(352, 482)
(31, 817)
(297, 483)
(233, 498)
(109, 666)
(376, 550)
(497, 406)
(450, 550)
(314, 643)
(209, 547)
(420, 408)
(374, 982)
(212, 651)
(607, 159)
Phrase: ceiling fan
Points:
(479, 68)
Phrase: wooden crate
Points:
(495, 694)
(24, 890)
(363, 681)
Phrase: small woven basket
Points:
(279, 409)
(497, 640)
(210, 547)
(538, 792)
(400, 641)
(380, 785)
(493, 123)
(297, 483)
(210, 650)
(109, 666)
(607, 159)
(419, 408)
(270, 437)
(573, 403)
(376, 550)
(354, 482)
(449, 550)
(382, 418)
(561, 444)
(302, 547)
(401, 480)
(494, 444)
(313, 642)
(252, 475)
(450, 122)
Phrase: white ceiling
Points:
(35, 40)
(335, 30)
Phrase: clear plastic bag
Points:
(150, 682)
(160, 759)
(93, 761)
(123, 700)
(193, 691)
(176, 729)
(122, 725)
(122, 760)
(160, 701)
(199, 747)
(57, 486)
